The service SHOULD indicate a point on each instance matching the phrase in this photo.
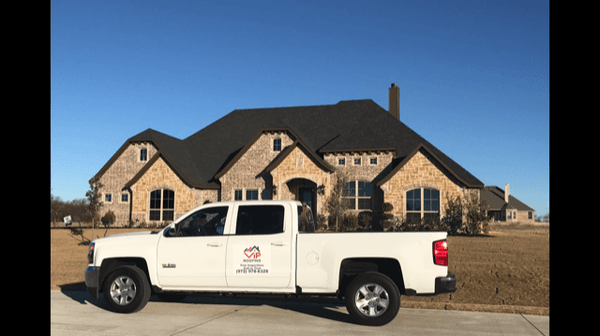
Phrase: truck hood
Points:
(129, 234)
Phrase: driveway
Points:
(77, 313)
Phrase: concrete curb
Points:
(526, 310)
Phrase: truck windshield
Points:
(306, 222)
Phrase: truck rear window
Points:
(259, 220)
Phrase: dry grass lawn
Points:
(506, 271)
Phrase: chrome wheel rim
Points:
(371, 300)
(122, 290)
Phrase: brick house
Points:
(504, 207)
(284, 153)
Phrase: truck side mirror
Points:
(171, 232)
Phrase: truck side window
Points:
(205, 222)
(259, 220)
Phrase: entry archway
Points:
(304, 190)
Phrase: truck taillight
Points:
(440, 252)
(91, 253)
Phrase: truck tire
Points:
(372, 299)
(126, 290)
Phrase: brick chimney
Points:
(506, 193)
(394, 109)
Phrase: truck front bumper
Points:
(92, 276)
(445, 284)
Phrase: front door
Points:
(307, 195)
(194, 255)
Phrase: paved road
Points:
(77, 313)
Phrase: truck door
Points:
(259, 251)
(193, 255)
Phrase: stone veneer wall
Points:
(365, 171)
(117, 175)
(243, 174)
(161, 176)
(522, 216)
(297, 165)
(421, 172)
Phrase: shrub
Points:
(107, 220)
(477, 221)
(349, 223)
(466, 214)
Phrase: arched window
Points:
(422, 203)
(162, 205)
(358, 195)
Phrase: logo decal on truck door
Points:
(252, 252)
(254, 259)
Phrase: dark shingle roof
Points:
(494, 197)
(347, 125)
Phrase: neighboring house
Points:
(504, 207)
(284, 153)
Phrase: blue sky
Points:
(473, 75)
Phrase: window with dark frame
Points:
(238, 195)
(365, 192)
(168, 209)
(277, 145)
(251, 194)
(422, 203)
(357, 161)
(108, 198)
(358, 195)
(143, 154)
(162, 205)
(124, 198)
(374, 161)
(342, 162)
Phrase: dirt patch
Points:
(68, 257)
(507, 271)
(506, 268)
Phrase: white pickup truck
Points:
(268, 247)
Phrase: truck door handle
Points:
(278, 244)
(214, 244)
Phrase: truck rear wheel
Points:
(372, 299)
(126, 290)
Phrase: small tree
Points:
(453, 211)
(56, 204)
(108, 219)
(476, 218)
(466, 214)
(336, 204)
(94, 202)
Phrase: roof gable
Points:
(286, 152)
(425, 148)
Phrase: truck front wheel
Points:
(126, 290)
(372, 299)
